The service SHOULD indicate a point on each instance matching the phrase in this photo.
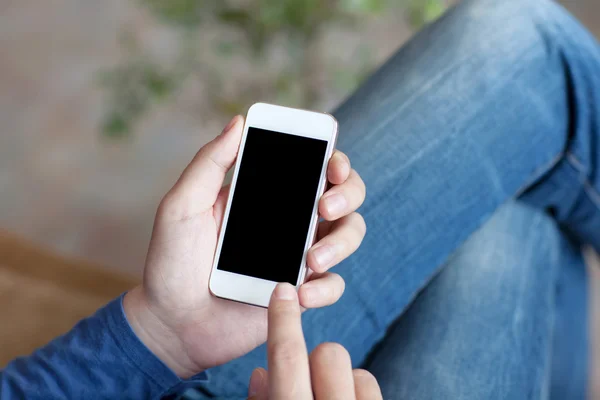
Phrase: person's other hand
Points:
(293, 375)
(173, 312)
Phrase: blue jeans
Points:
(479, 144)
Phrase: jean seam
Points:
(539, 172)
(590, 191)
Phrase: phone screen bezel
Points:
(256, 291)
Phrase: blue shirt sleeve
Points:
(100, 358)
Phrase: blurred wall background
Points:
(102, 104)
(78, 177)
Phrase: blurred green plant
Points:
(254, 27)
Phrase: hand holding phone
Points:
(271, 216)
(173, 312)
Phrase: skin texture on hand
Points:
(173, 312)
(294, 375)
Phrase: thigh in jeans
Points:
(495, 323)
(493, 100)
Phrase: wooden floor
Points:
(42, 295)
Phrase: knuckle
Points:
(210, 154)
(286, 353)
(203, 151)
(357, 188)
(173, 208)
(169, 206)
(285, 309)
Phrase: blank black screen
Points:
(272, 205)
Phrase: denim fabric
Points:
(493, 102)
(493, 324)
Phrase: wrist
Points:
(162, 341)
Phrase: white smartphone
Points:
(271, 217)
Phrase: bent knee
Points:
(506, 30)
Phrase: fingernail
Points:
(230, 125)
(335, 204)
(256, 382)
(285, 291)
(312, 294)
(324, 255)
